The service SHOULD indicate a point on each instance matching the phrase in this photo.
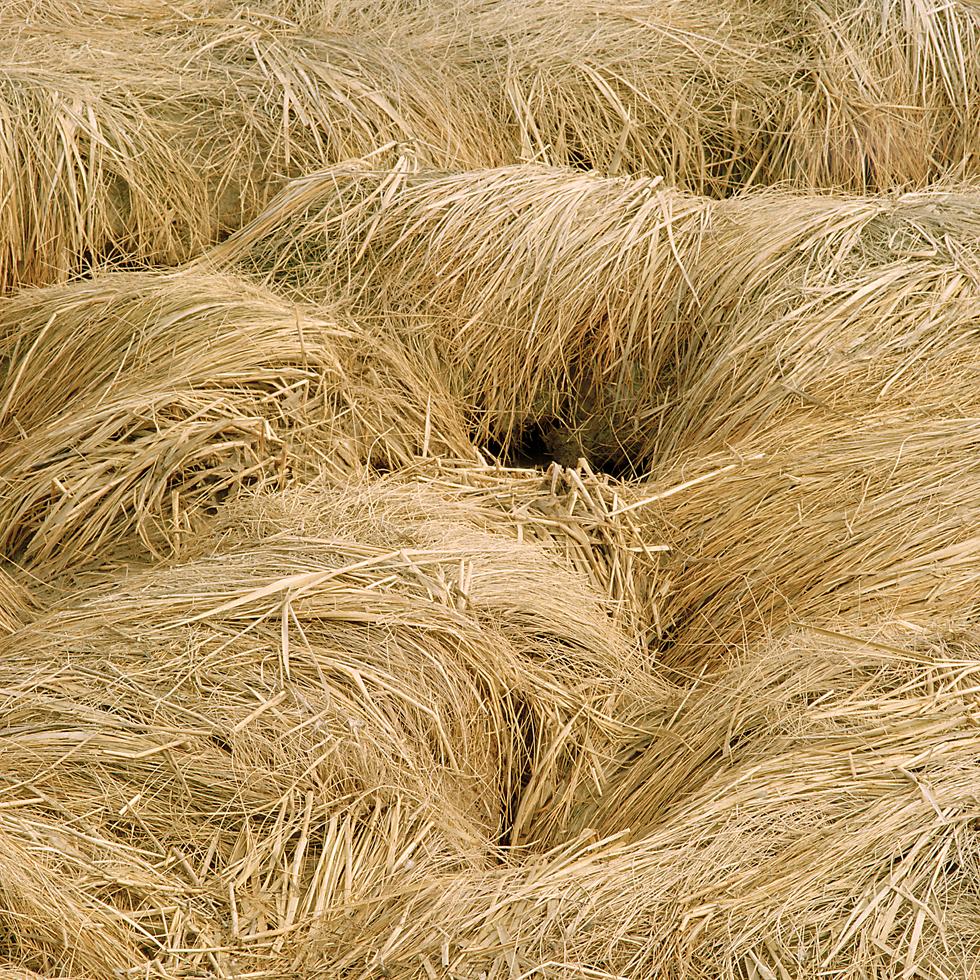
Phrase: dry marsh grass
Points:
(308, 670)
(339, 92)
(876, 518)
(678, 89)
(865, 519)
(95, 159)
(163, 15)
(586, 521)
(300, 750)
(17, 603)
(887, 96)
(831, 94)
(641, 320)
(174, 797)
(144, 142)
(815, 813)
(145, 132)
(135, 400)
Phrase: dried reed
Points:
(333, 700)
(810, 812)
(636, 321)
(132, 401)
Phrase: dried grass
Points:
(678, 89)
(641, 321)
(145, 132)
(340, 92)
(333, 701)
(534, 283)
(812, 812)
(133, 401)
(888, 94)
(831, 94)
(858, 520)
(829, 309)
(581, 518)
(293, 682)
(98, 157)
(144, 138)
(869, 518)
(839, 94)
(163, 16)
(17, 604)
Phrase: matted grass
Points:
(162, 15)
(812, 811)
(641, 321)
(342, 91)
(131, 402)
(861, 519)
(142, 138)
(335, 699)
(830, 94)
(146, 131)
(99, 155)
(867, 518)
(687, 91)
(297, 681)
(585, 520)
(887, 94)
(17, 604)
